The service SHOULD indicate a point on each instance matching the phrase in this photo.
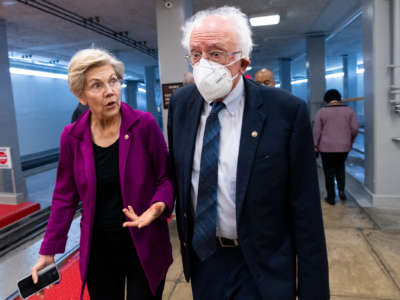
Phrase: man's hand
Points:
(146, 218)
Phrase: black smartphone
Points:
(47, 276)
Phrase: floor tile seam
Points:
(358, 295)
(172, 290)
(350, 227)
(369, 216)
(362, 296)
(380, 260)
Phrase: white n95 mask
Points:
(212, 79)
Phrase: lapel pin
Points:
(126, 136)
(254, 134)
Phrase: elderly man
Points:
(265, 77)
(248, 202)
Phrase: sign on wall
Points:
(167, 90)
(5, 158)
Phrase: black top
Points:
(108, 198)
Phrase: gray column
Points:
(8, 130)
(352, 75)
(349, 63)
(150, 80)
(382, 153)
(345, 64)
(170, 52)
(131, 92)
(285, 73)
(315, 48)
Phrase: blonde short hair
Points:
(86, 59)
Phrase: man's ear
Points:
(244, 63)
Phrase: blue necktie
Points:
(204, 236)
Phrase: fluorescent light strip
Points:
(28, 72)
(300, 81)
(265, 20)
(334, 75)
(142, 90)
(360, 71)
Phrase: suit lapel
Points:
(195, 105)
(253, 123)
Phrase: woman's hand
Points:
(152, 213)
(42, 262)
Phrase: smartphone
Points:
(47, 276)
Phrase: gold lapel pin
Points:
(254, 134)
(126, 136)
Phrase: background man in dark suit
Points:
(248, 200)
(265, 77)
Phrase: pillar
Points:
(315, 63)
(131, 93)
(382, 124)
(150, 81)
(285, 73)
(171, 54)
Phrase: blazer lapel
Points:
(126, 138)
(253, 123)
(81, 131)
(195, 105)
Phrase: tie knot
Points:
(217, 107)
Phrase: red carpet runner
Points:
(69, 287)
(10, 213)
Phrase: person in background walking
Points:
(335, 129)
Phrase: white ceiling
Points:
(38, 33)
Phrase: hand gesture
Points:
(152, 213)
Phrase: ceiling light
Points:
(265, 20)
(9, 3)
(248, 68)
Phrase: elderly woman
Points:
(335, 130)
(113, 159)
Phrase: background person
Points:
(335, 129)
(265, 77)
(79, 110)
(188, 78)
(248, 201)
(112, 157)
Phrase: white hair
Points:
(233, 14)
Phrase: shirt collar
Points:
(232, 101)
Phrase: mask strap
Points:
(238, 73)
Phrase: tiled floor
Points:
(363, 253)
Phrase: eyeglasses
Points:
(98, 87)
(217, 56)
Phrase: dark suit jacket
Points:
(278, 208)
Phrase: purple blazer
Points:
(335, 128)
(145, 179)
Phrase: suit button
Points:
(184, 244)
(185, 215)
